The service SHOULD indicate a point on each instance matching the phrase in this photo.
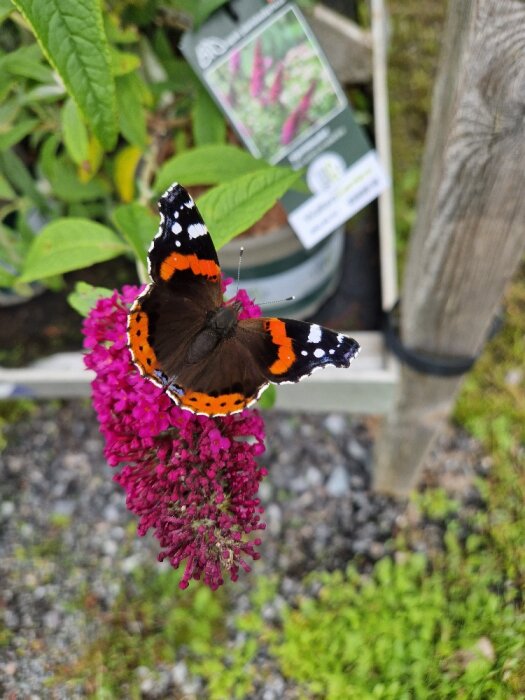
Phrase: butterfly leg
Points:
(168, 383)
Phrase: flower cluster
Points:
(192, 479)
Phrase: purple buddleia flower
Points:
(192, 479)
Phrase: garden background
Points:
(430, 606)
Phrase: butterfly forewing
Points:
(287, 350)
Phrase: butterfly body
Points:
(184, 338)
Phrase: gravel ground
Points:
(319, 510)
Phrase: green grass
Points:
(413, 629)
(149, 622)
(492, 407)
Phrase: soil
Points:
(46, 324)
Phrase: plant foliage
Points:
(98, 115)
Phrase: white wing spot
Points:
(176, 228)
(315, 334)
(178, 244)
(189, 204)
(196, 230)
(303, 352)
(340, 338)
(331, 351)
(176, 214)
(318, 352)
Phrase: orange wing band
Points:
(176, 261)
(286, 355)
(211, 405)
(142, 351)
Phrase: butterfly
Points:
(185, 339)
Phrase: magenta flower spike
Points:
(293, 122)
(290, 127)
(277, 85)
(306, 100)
(190, 478)
(258, 71)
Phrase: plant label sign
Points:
(265, 69)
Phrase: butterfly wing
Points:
(185, 287)
(172, 341)
(226, 382)
(286, 350)
(261, 351)
(183, 249)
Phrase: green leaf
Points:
(138, 226)
(85, 296)
(6, 7)
(8, 112)
(207, 165)
(232, 208)
(75, 133)
(6, 191)
(66, 185)
(123, 62)
(19, 176)
(117, 34)
(7, 279)
(208, 123)
(26, 62)
(70, 244)
(42, 93)
(268, 398)
(71, 34)
(131, 112)
(16, 133)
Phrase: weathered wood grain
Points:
(469, 234)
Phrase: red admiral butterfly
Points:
(184, 339)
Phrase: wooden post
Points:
(469, 234)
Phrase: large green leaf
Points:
(85, 296)
(75, 133)
(70, 244)
(232, 208)
(132, 119)
(138, 226)
(71, 34)
(207, 165)
(208, 123)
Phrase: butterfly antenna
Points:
(275, 301)
(241, 251)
